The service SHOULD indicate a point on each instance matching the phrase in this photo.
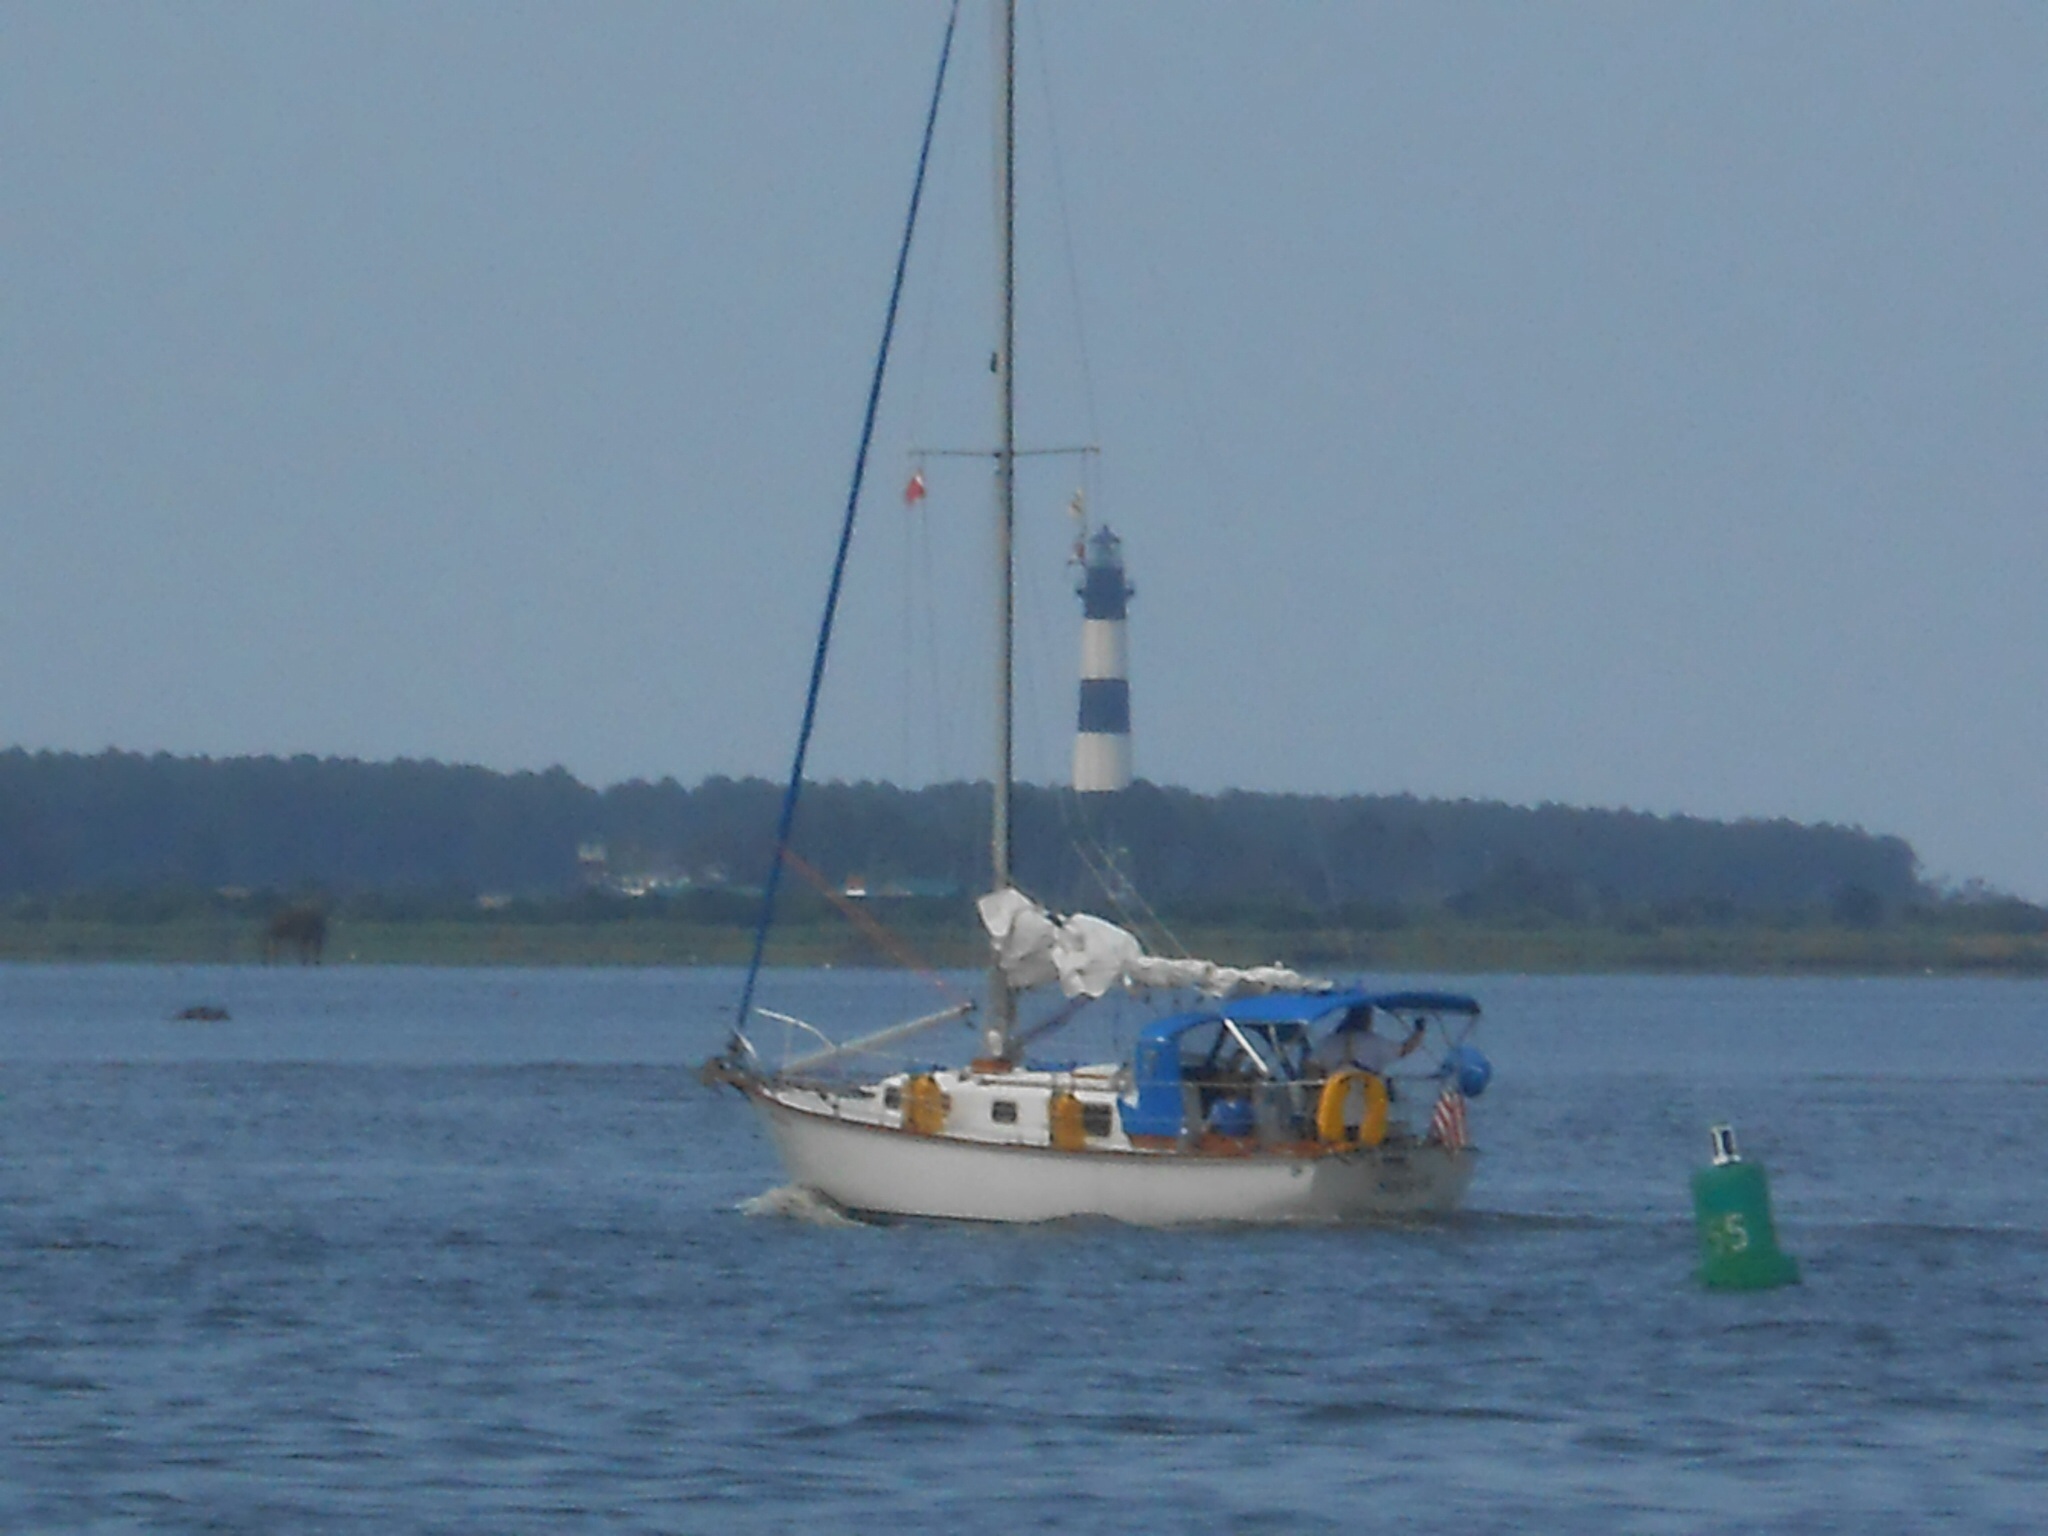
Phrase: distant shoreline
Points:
(1752, 949)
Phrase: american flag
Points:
(1448, 1123)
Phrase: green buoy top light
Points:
(1731, 1205)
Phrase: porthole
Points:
(1096, 1120)
(1003, 1111)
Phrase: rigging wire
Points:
(906, 574)
(1035, 703)
(1059, 185)
(1116, 885)
(878, 933)
(787, 817)
(1096, 857)
(925, 327)
(923, 733)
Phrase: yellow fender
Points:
(1069, 1131)
(925, 1106)
(1372, 1125)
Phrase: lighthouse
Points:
(1102, 750)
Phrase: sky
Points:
(1614, 405)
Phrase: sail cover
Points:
(1090, 956)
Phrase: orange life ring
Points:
(1331, 1129)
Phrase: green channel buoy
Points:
(1731, 1206)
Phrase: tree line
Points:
(130, 822)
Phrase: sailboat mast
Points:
(1002, 1001)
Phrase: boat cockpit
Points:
(1263, 1068)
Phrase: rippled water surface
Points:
(410, 1251)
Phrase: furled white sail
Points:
(1090, 956)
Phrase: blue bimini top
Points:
(1157, 1109)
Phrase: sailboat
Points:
(1254, 1095)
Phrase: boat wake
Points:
(792, 1202)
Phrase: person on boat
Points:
(1354, 1044)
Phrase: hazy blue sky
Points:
(1626, 405)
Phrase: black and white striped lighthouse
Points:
(1102, 750)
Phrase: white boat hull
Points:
(874, 1169)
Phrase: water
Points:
(422, 1251)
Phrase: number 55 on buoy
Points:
(1731, 1206)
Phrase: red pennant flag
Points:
(913, 493)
